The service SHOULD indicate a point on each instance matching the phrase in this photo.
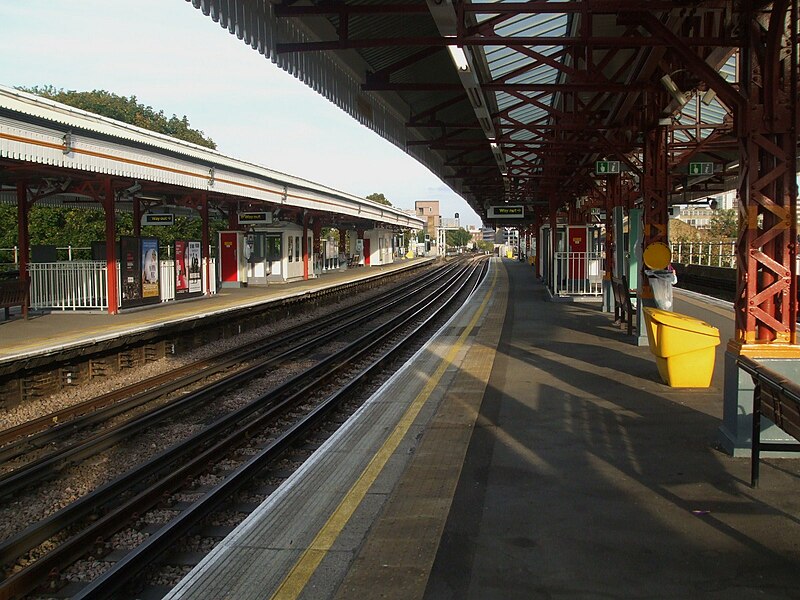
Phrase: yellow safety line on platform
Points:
(307, 564)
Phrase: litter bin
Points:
(683, 347)
(661, 282)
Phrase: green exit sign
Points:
(701, 168)
(604, 167)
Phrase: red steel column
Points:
(111, 245)
(305, 247)
(23, 230)
(655, 187)
(766, 293)
(137, 217)
(205, 251)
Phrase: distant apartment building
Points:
(429, 210)
(510, 236)
(700, 214)
(476, 233)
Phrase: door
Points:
(274, 253)
(577, 252)
(228, 255)
(366, 251)
(259, 267)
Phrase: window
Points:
(297, 248)
(291, 248)
(274, 247)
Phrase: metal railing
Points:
(711, 254)
(79, 285)
(578, 273)
(69, 285)
(9, 257)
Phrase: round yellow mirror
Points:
(657, 256)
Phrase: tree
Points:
(458, 237)
(127, 110)
(379, 198)
(725, 224)
(79, 227)
(683, 232)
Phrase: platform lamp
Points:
(673, 89)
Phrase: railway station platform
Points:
(528, 451)
(53, 332)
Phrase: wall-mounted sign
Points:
(255, 218)
(701, 168)
(158, 219)
(605, 167)
(506, 212)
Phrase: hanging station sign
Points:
(505, 212)
(158, 219)
(605, 167)
(701, 168)
(255, 218)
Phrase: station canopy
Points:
(59, 153)
(514, 102)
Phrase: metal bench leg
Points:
(755, 444)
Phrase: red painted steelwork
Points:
(766, 296)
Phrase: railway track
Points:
(249, 362)
(42, 431)
(105, 511)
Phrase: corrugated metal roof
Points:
(107, 146)
(504, 60)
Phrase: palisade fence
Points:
(578, 273)
(82, 284)
(710, 254)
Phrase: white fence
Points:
(578, 274)
(78, 285)
(712, 254)
(69, 285)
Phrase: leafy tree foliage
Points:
(458, 237)
(379, 198)
(683, 232)
(127, 110)
(79, 227)
(725, 224)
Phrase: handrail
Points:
(778, 399)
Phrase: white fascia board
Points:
(45, 145)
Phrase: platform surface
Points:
(530, 451)
(52, 331)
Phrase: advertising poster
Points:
(181, 268)
(150, 270)
(130, 272)
(193, 262)
(188, 278)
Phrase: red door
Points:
(228, 256)
(366, 252)
(577, 252)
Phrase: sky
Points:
(173, 58)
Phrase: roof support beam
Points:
(496, 40)
(374, 86)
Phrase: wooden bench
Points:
(778, 399)
(14, 292)
(623, 305)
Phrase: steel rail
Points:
(91, 410)
(45, 466)
(76, 546)
(110, 582)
